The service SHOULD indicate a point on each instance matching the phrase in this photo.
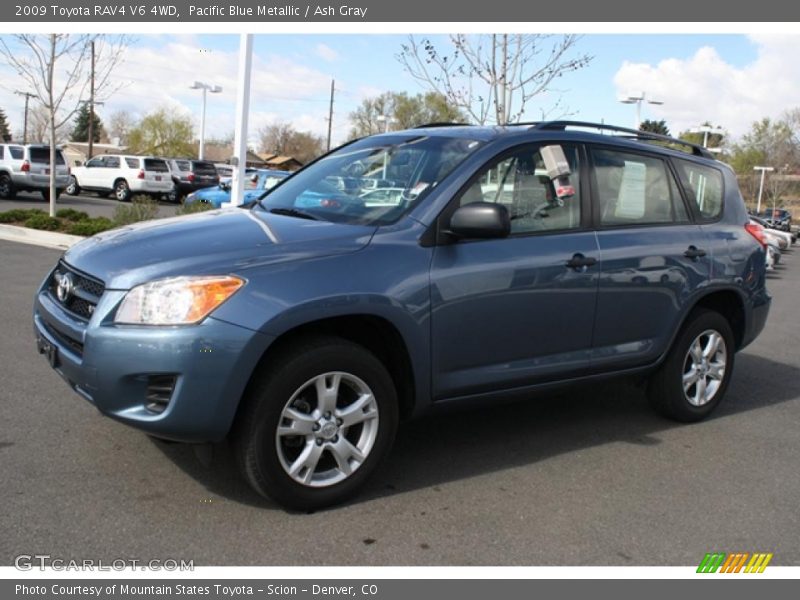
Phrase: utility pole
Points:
(330, 113)
(28, 96)
(91, 109)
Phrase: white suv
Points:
(27, 169)
(122, 176)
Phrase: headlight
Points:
(176, 301)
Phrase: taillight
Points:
(757, 231)
(26, 167)
(327, 203)
(191, 178)
(141, 174)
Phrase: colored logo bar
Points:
(735, 562)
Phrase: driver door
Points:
(515, 311)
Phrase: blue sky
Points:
(727, 79)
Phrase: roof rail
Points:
(440, 124)
(636, 134)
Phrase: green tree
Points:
(403, 112)
(714, 140)
(5, 134)
(769, 143)
(659, 127)
(80, 132)
(163, 133)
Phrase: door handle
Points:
(694, 252)
(579, 261)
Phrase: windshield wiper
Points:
(293, 212)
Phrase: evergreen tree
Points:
(5, 133)
(659, 127)
(80, 132)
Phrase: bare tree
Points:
(56, 68)
(282, 138)
(493, 77)
(39, 127)
(120, 124)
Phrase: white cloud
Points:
(155, 76)
(326, 53)
(705, 87)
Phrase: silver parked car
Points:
(26, 168)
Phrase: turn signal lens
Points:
(176, 301)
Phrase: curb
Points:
(36, 237)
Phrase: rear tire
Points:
(695, 375)
(73, 189)
(316, 423)
(121, 190)
(7, 189)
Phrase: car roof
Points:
(574, 131)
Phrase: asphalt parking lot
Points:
(592, 477)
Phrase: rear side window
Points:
(133, 163)
(156, 165)
(2, 150)
(16, 152)
(703, 186)
(633, 189)
(183, 165)
(112, 162)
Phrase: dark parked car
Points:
(779, 218)
(190, 176)
(515, 259)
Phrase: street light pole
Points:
(638, 100)
(206, 87)
(761, 186)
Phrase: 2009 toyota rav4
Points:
(504, 260)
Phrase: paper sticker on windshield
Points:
(419, 188)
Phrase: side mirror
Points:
(78, 163)
(480, 220)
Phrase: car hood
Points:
(231, 240)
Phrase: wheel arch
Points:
(375, 333)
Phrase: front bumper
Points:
(111, 365)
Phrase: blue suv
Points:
(506, 260)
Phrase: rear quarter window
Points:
(156, 165)
(183, 165)
(703, 186)
(16, 152)
(133, 163)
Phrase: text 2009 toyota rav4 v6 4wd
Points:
(497, 260)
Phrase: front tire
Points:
(694, 377)
(316, 424)
(121, 190)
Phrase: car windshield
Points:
(341, 186)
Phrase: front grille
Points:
(84, 293)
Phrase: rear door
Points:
(511, 312)
(654, 256)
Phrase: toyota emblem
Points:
(65, 287)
